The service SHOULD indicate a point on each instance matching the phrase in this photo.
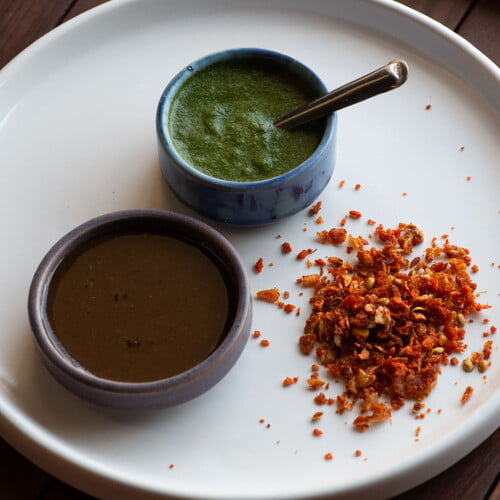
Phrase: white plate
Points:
(77, 139)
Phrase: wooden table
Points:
(474, 477)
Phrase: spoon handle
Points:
(388, 77)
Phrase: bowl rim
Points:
(46, 338)
(227, 55)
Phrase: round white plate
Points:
(77, 139)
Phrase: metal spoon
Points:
(388, 77)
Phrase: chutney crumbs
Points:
(387, 323)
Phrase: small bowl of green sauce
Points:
(219, 149)
(140, 309)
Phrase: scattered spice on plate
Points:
(286, 247)
(355, 214)
(290, 381)
(341, 184)
(315, 208)
(357, 453)
(328, 456)
(304, 253)
(357, 187)
(256, 334)
(467, 394)
(269, 295)
(259, 265)
(336, 236)
(317, 416)
(265, 343)
(317, 432)
(384, 327)
(429, 106)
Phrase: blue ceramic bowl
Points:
(158, 393)
(246, 203)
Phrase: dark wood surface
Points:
(476, 476)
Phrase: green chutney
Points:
(221, 121)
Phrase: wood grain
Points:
(481, 27)
(482, 469)
(447, 12)
(22, 22)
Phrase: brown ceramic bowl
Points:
(164, 392)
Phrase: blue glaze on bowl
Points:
(246, 203)
(159, 393)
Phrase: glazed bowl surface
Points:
(157, 393)
(249, 202)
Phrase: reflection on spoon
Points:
(388, 77)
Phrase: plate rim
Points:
(24, 436)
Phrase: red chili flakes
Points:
(404, 194)
(171, 466)
(319, 219)
(317, 432)
(418, 430)
(307, 343)
(341, 184)
(468, 178)
(493, 329)
(370, 222)
(354, 214)
(321, 399)
(286, 295)
(343, 221)
(454, 361)
(328, 456)
(343, 404)
(317, 416)
(261, 421)
(304, 253)
(315, 383)
(474, 268)
(429, 106)
(265, 343)
(286, 247)
(314, 368)
(336, 236)
(288, 308)
(357, 187)
(256, 334)
(386, 328)
(357, 453)
(315, 208)
(467, 394)
(270, 295)
(259, 265)
(290, 381)
(487, 349)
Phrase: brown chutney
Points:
(139, 306)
